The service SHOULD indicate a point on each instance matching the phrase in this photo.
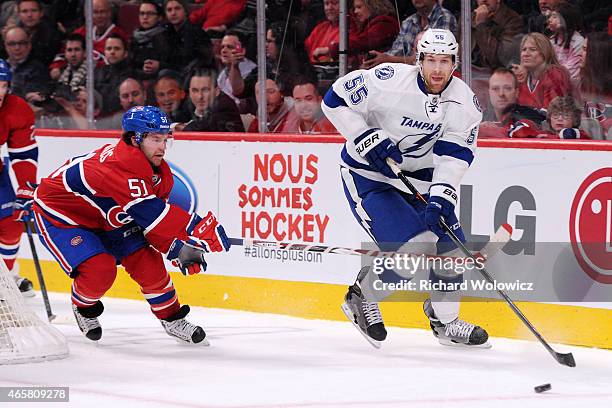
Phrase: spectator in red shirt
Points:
(217, 15)
(103, 27)
(324, 34)
(309, 118)
(562, 122)
(540, 75)
(278, 108)
(376, 29)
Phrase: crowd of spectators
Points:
(537, 64)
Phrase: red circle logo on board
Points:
(591, 225)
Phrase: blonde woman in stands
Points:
(541, 76)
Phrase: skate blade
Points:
(203, 343)
(449, 343)
(351, 318)
(28, 294)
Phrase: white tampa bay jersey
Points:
(435, 133)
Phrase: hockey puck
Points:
(542, 388)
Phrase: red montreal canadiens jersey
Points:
(16, 130)
(110, 187)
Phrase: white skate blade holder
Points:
(448, 343)
(349, 315)
(203, 343)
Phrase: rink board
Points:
(287, 188)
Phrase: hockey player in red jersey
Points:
(110, 206)
(16, 130)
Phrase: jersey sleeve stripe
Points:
(333, 100)
(158, 219)
(444, 148)
(84, 180)
(31, 161)
(22, 149)
(31, 154)
(53, 213)
(138, 201)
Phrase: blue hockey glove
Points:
(188, 257)
(441, 204)
(375, 147)
(24, 201)
(569, 133)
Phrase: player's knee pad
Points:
(146, 267)
(96, 274)
(10, 231)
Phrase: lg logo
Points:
(591, 224)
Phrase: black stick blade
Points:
(566, 359)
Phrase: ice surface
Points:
(263, 360)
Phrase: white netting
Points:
(24, 338)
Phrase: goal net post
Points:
(24, 337)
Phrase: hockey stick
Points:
(501, 236)
(41, 279)
(564, 359)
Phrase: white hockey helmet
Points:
(437, 41)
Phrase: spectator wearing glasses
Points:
(562, 122)
(30, 77)
(148, 47)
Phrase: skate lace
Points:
(180, 328)
(459, 329)
(372, 313)
(87, 323)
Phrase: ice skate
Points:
(456, 333)
(25, 286)
(365, 316)
(184, 332)
(87, 319)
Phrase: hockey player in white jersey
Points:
(427, 121)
